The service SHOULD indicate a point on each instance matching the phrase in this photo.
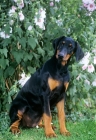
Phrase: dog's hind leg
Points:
(14, 126)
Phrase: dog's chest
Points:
(57, 91)
(55, 84)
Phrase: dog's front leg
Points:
(61, 117)
(47, 119)
(14, 126)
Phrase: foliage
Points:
(27, 30)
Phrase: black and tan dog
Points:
(45, 89)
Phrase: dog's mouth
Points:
(64, 59)
(63, 62)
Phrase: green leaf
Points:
(22, 41)
(4, 51)
(27, 56)
(7, 29)
(35, 55)
(9, 99)
(18, 56)
(30, 56)
(2, 15)
(72, 90)
(6, 41)
(1, 73)
(73, 100)
(31, 69)
(3, 63)
(19, 30)
(9, 71)
(52, 11)
(32, 42)
(41, 51)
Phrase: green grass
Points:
(81, 130)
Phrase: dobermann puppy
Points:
(45, 89)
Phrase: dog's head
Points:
(65, 47)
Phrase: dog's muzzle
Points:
(62, 54)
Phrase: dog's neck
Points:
(62, 69)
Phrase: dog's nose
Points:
(60, 55)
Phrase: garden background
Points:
(27, 29)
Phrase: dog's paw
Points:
(15, 130)
(41, 125)
(51, 134)
(65, 133)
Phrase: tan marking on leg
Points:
(61, 118)
(40, 124)
(53, 83)
(15, 125)
(66, 84)
(47, 125)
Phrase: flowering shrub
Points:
(27, 29)
(89, 5)
(84, 80)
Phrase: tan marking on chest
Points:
(53, 83)
(63, 63)
(66, 84)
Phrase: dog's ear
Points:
(56, 41)
(78, 52)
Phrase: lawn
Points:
(80, 130)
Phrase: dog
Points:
(46, 89)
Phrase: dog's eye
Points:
(70, 45)
(63, 42)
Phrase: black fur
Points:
(35, 97)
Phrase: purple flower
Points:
(84, 67)
(51, 3)
(12, 11)
(89, 4)
(91, 68)
(21, 16)
(91, 7)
